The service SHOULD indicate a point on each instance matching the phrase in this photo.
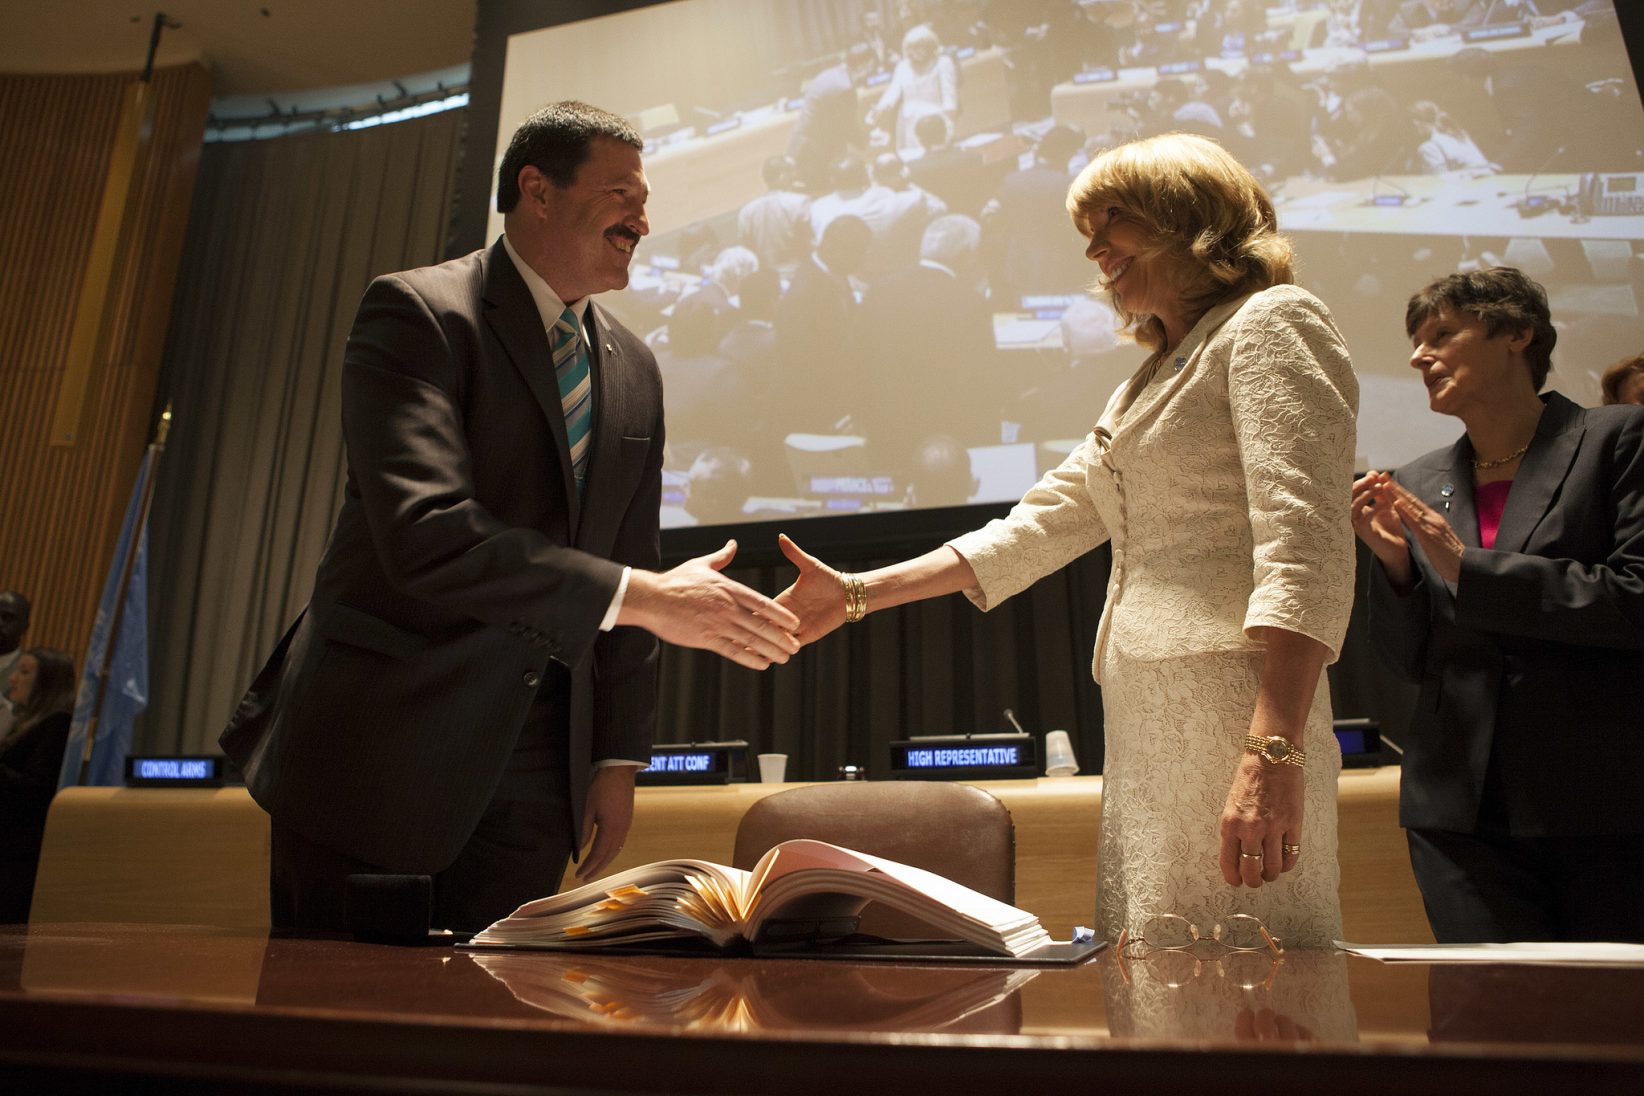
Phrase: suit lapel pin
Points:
(1178, 364)
(1447, 490)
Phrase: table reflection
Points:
(1315, 1000)
(1299, 997)
(742, 996)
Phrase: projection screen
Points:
(864, 292)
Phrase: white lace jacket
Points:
(1223, 485)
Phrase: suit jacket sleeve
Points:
(403, 382)
(1564, 600)
(1293, 398)
(1055, 523)
(625, 659)
(1399, 624)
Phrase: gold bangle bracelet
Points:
(856, 597)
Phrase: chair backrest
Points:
(954, 830)
(190, 856)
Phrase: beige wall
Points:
(61, 506)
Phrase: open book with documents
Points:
(800, 892)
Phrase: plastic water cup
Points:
(773, 768)
(1059, 759)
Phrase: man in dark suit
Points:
(1510, 587)
(830, 121)
(932, 312)
(1028, 231)
(817, 387)
(473, 683)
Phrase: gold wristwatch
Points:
(1276, 749)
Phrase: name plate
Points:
(1360, 741)
(1095, 76)
(965, 757)
(202, 771)
(696, 763)
(1495, 31)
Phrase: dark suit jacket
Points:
(1532, 663)
(463, 573)
(920, 320)
(29, 766)
(814, 388)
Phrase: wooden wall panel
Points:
(61, 507)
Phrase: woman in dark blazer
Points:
(31, 755)
(1510, 587)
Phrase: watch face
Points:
(1277, 749)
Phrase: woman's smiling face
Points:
(1118, 244)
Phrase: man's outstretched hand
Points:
(693, 605)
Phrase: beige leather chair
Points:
(186, 856)
(954, 830)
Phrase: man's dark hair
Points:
(844, 243)
(777, 172)
(1503, 298)
(16, 610)
(555, 141)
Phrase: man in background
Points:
(14, 624)
(473, 683)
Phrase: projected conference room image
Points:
(864, 291)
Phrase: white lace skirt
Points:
(1174, 731)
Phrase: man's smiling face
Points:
(592, 226)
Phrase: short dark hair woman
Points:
(41, 689)
(1510, 587)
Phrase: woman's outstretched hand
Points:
(817, 596)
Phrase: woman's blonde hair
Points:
(1214, 231)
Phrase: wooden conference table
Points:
(154, 1008)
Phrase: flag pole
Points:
(151, 464)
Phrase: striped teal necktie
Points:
(576, 390)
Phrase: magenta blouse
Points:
(1490, 499)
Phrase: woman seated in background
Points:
(1445, 147)
(1220, 472)
(1510, 586)
(31, 756)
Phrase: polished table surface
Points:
(234, 1010)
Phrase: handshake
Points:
(694, 605)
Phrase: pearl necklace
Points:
(1481, 465)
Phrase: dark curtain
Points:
(283, 237)
(938, 667)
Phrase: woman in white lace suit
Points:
(1221, 473)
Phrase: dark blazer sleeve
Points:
(28, 773)
(1563, 600)
(625, 658)
(402, 396)
(1400, 624)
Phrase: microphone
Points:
(1530, 205)
(1010, 715)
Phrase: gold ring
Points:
(1250, 856)
(1293, 850)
